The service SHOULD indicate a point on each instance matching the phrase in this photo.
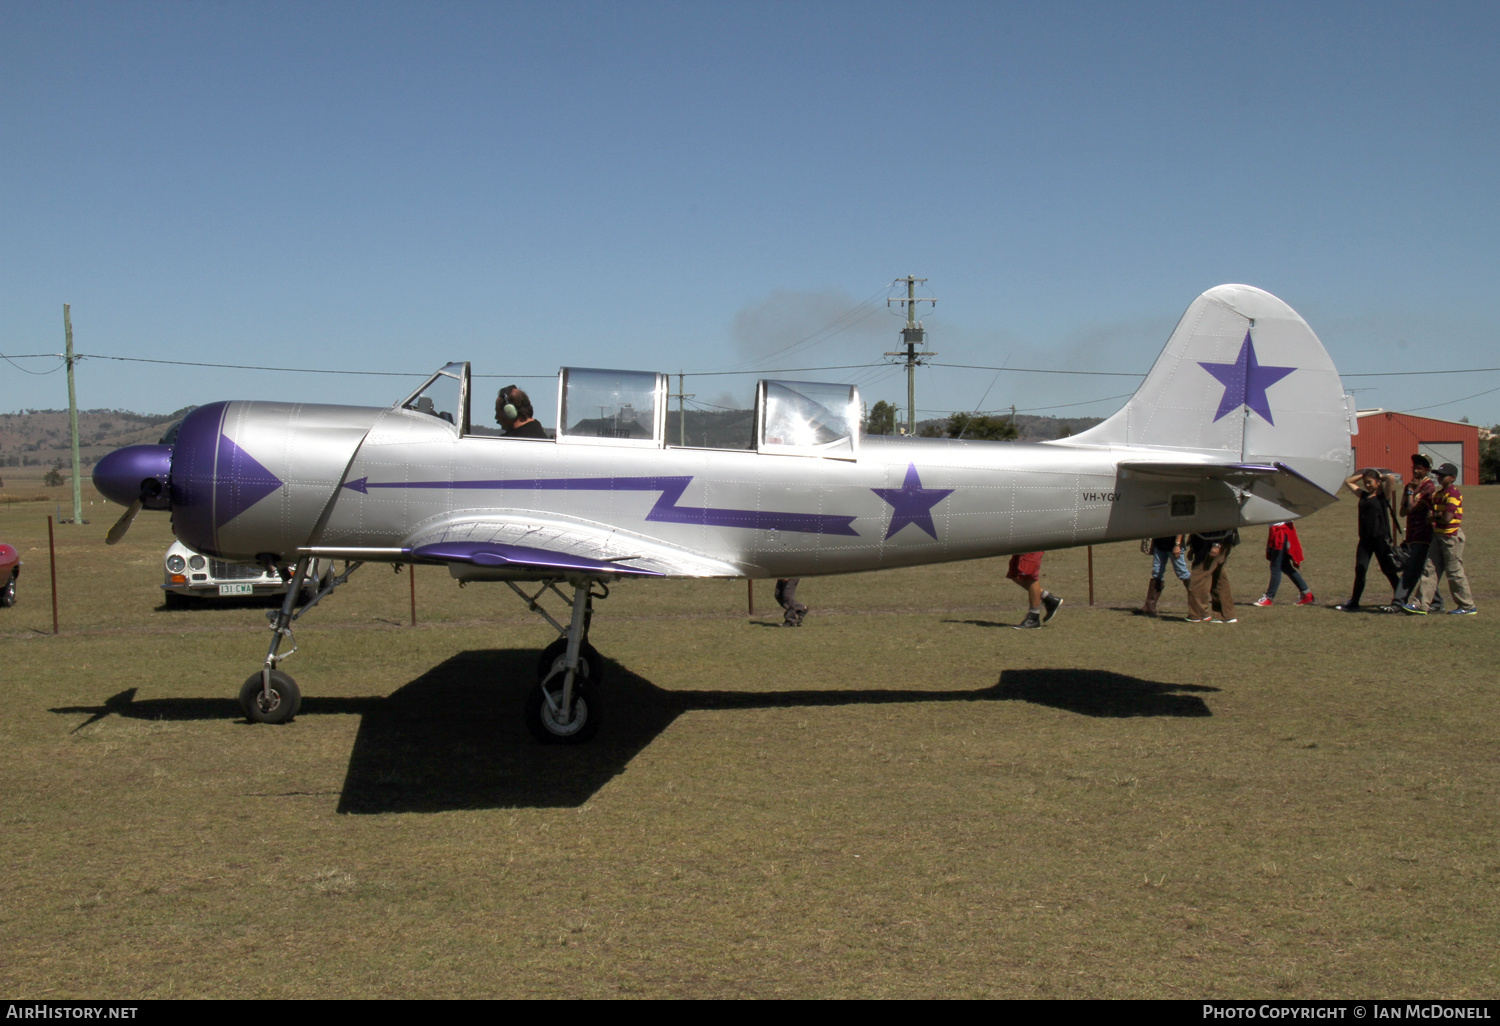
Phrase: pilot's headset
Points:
(508, 411)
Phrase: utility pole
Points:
(912, 336)
(681, 416)
(73, 419)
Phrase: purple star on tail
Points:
(912, 504)
(1245, 382)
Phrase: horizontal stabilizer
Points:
(522, 557)
(1275, 482)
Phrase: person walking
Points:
(1208, 587)
(1026, 571)
(1446, 554)
(1284, 551)
(1167, 550)
(786, 598)
(1377, 522)
(1416, 507)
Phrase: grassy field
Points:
(904, 798)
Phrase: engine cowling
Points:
(250, 480)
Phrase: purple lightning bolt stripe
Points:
(665, 511)
(1245, 381)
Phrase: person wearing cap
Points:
(1446, 554)
(514, 414)
(1416, 507)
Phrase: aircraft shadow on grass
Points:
(454, 737)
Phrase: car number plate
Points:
(236, 589)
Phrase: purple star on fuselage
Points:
(912, 504)
(1245, 381)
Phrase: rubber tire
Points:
(590, 663)
(8, 593)
(586, 714)
(288, 699)
(172, 600)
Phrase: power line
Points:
(35, 356)
(782, 370)
(1038, 409)
(241, 366)
(703, 373)
(832, 328)
(289, 370)
(1035, 370)
(1410, 374)
(1450, 402)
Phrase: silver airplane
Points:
(1242, 420)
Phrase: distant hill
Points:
(1033, 429)
(39, 438)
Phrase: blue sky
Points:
(697, 186)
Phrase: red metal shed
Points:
(1388, 439)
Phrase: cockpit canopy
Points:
(807, 418)
(445, 395)
(612, 407)
(629, 408)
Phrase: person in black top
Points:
(514, 413)
(1376, 520)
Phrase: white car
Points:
(191, 574)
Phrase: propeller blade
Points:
(123, 524)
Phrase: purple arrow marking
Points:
(665, 511)
(240, 482)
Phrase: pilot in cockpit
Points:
(514, 413)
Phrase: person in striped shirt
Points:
(1446, 552)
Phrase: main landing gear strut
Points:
(271, 695)
(564, 708)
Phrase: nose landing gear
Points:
(271, 695)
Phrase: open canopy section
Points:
(445, 396)
(612, 407)
(808, 418)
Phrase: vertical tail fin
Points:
(1242, 379)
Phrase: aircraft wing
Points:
(500, 546)
(1274, 482)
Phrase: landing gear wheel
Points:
(543, 721)
(285, 700)
(590, 664)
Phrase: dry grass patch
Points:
(903, 798)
